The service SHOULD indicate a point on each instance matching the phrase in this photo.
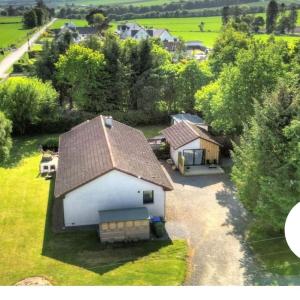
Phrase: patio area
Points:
(202, 170)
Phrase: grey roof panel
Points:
(128, 214)
(188, 117)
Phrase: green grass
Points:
(36, 47)
(151, 130)
(29, 248)
(188, 30)
(278, 263)
(60, 22)
(12, 32)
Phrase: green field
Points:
(12, 32)
(91, 2)
(188, 30)
(29, 247)
(60, 22)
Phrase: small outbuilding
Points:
(48, 164)
(191, 147)
(118, 225)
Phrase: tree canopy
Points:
(26, 100)
(266, 168)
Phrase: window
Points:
(52, 167)
(45, 168)
(148, 197)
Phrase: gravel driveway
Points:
(203, 210)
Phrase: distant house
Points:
(196, 50)
(105, 165)
(83, 32)
(191, 145)
(135, 31)
(195, 45)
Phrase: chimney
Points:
(108, 121)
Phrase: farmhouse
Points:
(135, 31)
(191, 147)
(83, 32)
(105, 165)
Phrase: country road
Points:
(13, 57)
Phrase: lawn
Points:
(12, 32)
(188, 30)
(152, 130)
(29, 248)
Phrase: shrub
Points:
(18, 68)
(60, 121)
(139, 117)
(50, 144)
(27, 101)
(33, 53)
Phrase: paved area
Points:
(203, 210)
(13, 57)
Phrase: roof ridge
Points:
(190, 126)
(107, 141)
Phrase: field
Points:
(188, 30)
(12, 32)
(29, 248)
(60, 22)
(89, 2)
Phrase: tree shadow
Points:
(82, 248)
(238, 219)
(22, 147)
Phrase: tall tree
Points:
(117, 91)
(83, 71)
(192, 76)
(30, 19)
(5, 137)
(271, 16)
(266, 168)
(293, 18)
(226, 48)
(225, 14)
(256, 71)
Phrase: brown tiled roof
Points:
(91, 149)
(184, 132)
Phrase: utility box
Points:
(119, 225)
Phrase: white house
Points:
(140, 34)
(162, 34)
(135, 31)
(81, 33)
(106, 165)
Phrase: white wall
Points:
(141, 35)
(114, 190)
(166, 36)
(192, 145)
